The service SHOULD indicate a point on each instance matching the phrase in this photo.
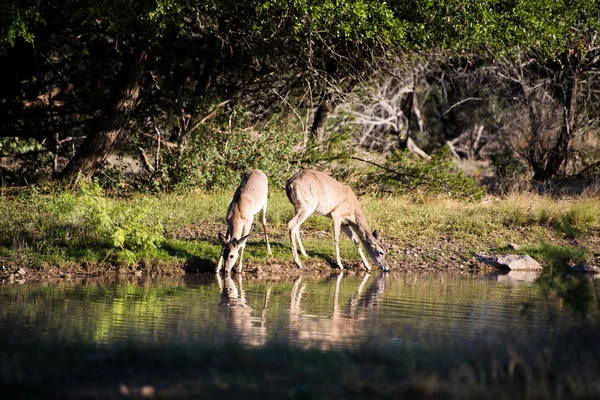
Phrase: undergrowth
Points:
(86, 225)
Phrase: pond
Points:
(341, 309)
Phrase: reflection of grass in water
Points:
(577, 292)
(535, 364)
(425, 302)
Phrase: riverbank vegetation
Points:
(86, 231)
(130, 129)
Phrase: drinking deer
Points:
(315, 192)
(249, 198)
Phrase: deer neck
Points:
(235, 224)
(361, 227)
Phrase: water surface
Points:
(340, 310)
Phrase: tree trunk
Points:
(535, 159)
(99, 143)
(317, 129)
(560, 152)
(328, 101)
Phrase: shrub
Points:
(578, 219)
(404, 172)
(120, 225)
(509, 171)
(216, 157)
(558, 258)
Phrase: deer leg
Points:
(300, 246)
(337, 225)
(263, 219)
(350, 233)
(295, 238)
(220, 263)
(294, 251)
(294, 231)
(245, 232)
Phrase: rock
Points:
(21, 271)
(513, 246)
(138, 273)
(585, 268)
(512, 262)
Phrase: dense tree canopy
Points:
(80, 73)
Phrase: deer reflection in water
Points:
(239, 318)
(347, 323)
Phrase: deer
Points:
(249, 198)
(315, 192)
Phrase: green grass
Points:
(64, 228)
(558, 258)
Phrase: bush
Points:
(404, 172)
(578, 219)
(216, 157)
(65, 222)
(123, 226)
(558, 258)
(509, 171)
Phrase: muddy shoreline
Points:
(269, 269)
(439, 255)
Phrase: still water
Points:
(338, 310)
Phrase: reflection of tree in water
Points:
(579, 293)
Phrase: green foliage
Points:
(122, 226)
(216, 156)
(558, 258)
(80, 225)
(546, 28)
(352, 21)
(404, 172)
(578, 219)
(16, 20)
(509, 170)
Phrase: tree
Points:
(84, 74)
(259, 53)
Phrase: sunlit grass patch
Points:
(557, 258)
(91, 227)
(580, 217)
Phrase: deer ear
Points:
(242, 241)
(376, 234)
(222, 238)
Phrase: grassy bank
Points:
(90, 233)
(508, 368)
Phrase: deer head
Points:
(231, 250)
(376, 251)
